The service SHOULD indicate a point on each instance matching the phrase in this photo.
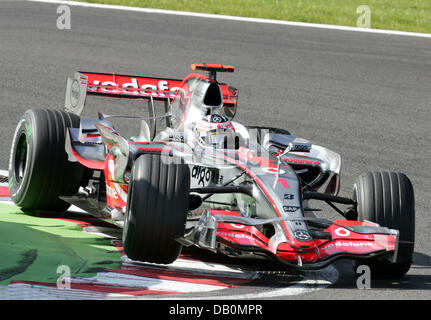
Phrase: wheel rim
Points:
(20, 162)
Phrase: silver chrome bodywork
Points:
(266, 169)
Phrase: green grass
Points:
(31, 248)
(403, 15)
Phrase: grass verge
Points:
(32, 248)
(402, 15)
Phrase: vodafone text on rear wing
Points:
(128, 87)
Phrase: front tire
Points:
(39, 170)
(156, 210)
(387, 198)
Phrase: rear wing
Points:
(129, 87)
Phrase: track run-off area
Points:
(76, 256)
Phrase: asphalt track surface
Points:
(365, 96)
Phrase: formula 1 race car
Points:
(192, 176)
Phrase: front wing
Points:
(228, 232)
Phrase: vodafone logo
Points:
(349, 244)
(342, 232)
(137, 86)
(238, 226)
(301, 161)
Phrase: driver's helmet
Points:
(215, 130)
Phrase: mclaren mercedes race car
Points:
(191, 176)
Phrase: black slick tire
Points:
(39, 171)
(387, 198)
(156, 212)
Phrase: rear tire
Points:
(39, 171)
(156, 210)
(387, 198)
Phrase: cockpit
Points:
(199, 112)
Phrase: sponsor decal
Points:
(238, 226)
(203, 125)
(342, 232)
(154, 149)
(177, 137)
(348, 244)
(235, 235)
(289, 196)
(206, 175)
(290, 208)
(217, 118)
(302, 235)
(301, 161)
(301, 147)
(133, 86)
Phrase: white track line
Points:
(24, 291)
(313, 281)
(233, 18)
(147, 283)
(198, 266)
